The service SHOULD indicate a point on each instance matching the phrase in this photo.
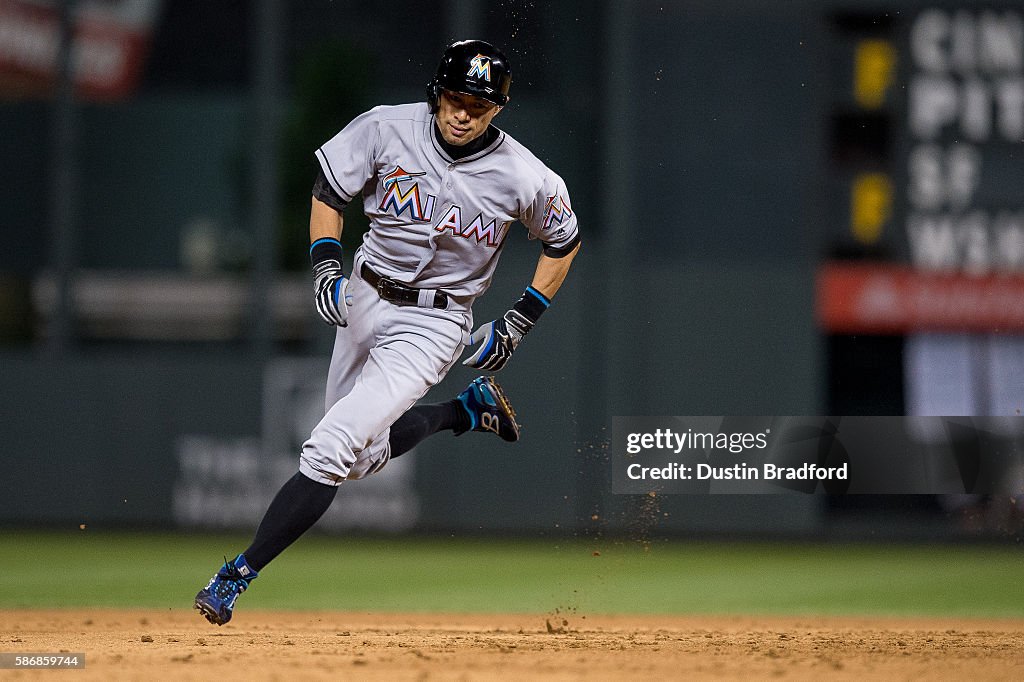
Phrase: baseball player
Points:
(441, 187)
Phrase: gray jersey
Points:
(436, 223)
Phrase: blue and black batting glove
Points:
(499, 338)
(330, 286)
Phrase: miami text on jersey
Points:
(397, 201)
(452, 220)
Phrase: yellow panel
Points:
(874, 68)
(870, 206)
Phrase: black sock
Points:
(299, 503)
(425, 420)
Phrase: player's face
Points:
(462, 118)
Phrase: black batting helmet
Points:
(474, 67)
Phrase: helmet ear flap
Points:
(433, 95)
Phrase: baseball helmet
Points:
(474, 67)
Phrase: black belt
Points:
(398, 293)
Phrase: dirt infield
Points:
(179, 644)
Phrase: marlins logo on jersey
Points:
(397, 201)
(480, 65)
(556, 210)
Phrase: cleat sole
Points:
(209, 613)
(506, 406)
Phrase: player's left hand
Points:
(330, 286)
(498, 339)
(332, 297)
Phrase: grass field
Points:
(142, 570)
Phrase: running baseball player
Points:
(441, 187)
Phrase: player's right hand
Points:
(330, 287)
(497, 340)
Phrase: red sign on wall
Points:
(876, 298)
(110, 43)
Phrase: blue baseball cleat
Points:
(489, 409)
(216, 601)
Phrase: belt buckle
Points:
(381, 286)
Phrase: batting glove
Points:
(330, 286)
(499, 338)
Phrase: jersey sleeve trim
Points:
(324, 192)
(562, 251)
(325, 164)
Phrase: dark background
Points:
(704, 148)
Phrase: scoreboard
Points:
(926, 159)
(964, 144)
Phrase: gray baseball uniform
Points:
(438, 225)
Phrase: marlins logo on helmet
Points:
(480, 65)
